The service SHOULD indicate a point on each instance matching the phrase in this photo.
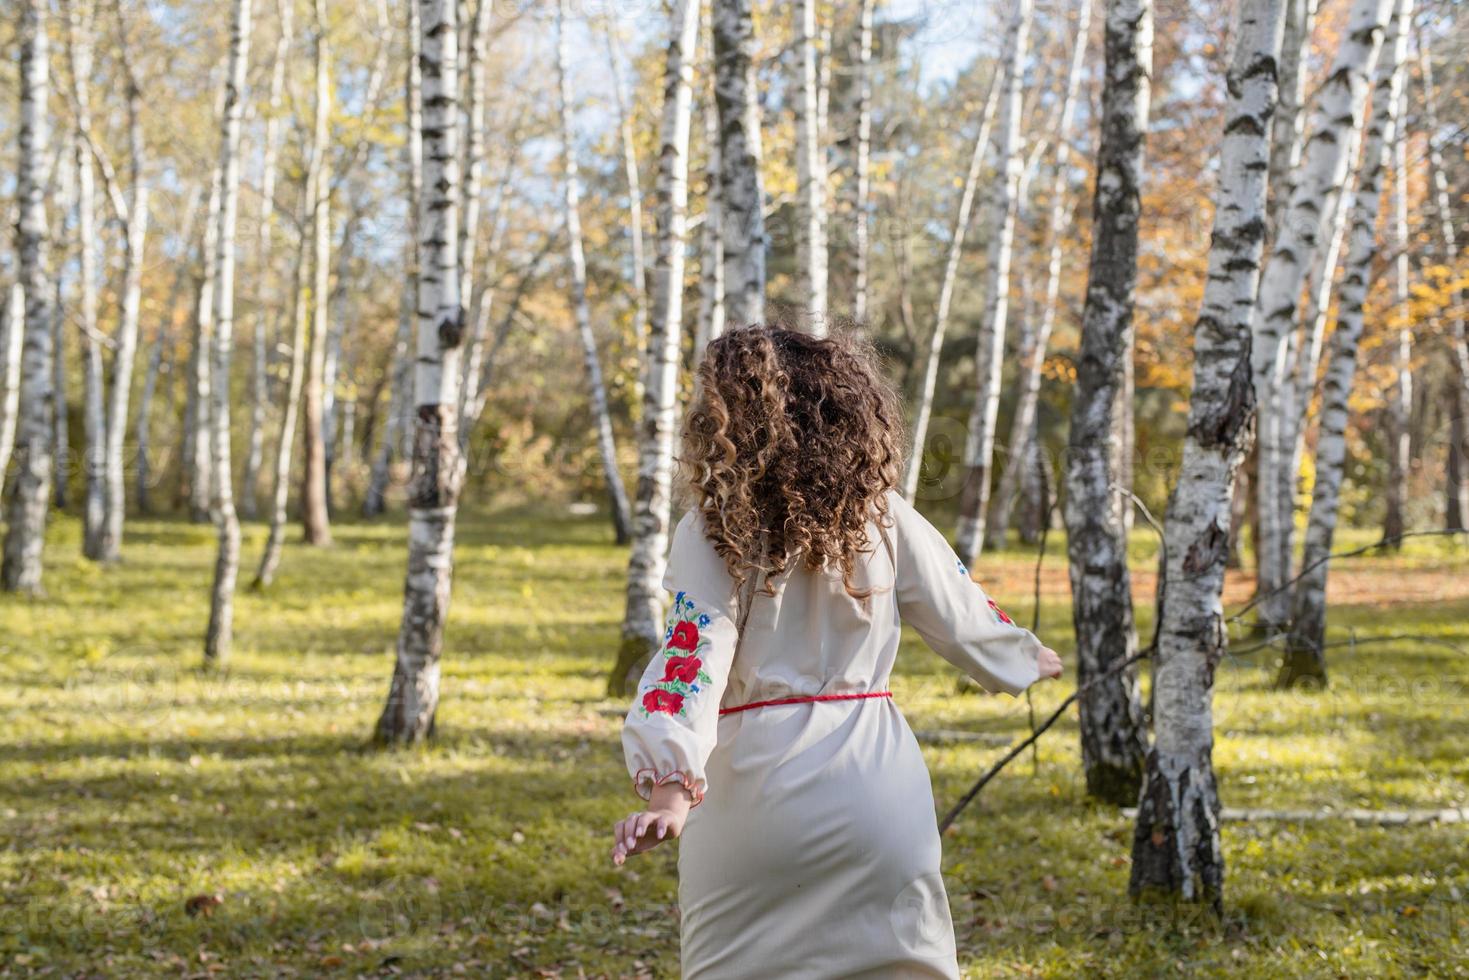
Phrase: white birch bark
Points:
(710, 322)
(1305, 657)
(1337, 116)
(642, 622)
(262, 315)
(200, 467)
(601, 414)
(742, 216)
(1289, 126)
(315, 517)
(437, 478)
(1033, 354)
(928, 377)
(638, 279)
(12, 334)
(1400, 395)
(61, 233)
(21, 570)
(1113, 736)
(1176, 848)
(979, 449)
(400, 399)
(219, 634)
(810, 176)
(862, 166)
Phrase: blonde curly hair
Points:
(789, 449)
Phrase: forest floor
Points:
(135, 790)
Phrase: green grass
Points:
(130, 783)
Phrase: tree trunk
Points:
(200, 473)
(375, 501)
(742, 192)
(638, 278)
(810, 176)
(60, 429)
(710, 323)
(928, 379)
(1400, 395)
(433, 495)
(260, 319)
(642, 622)
(979, 449)
(601, 414)
(1324, 172)
(315, 518)
(25, 530)
(1113, 737)
(219, 635)
(1033, 354)
(1288, 127)
(861, 168)
(12, 333)
(1305, 656)
(1176, 850)
(1456, 507)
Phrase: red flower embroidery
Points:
(1001, 613)
(685, 636)
(684, 669)
(660, 700)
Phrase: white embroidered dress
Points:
(814, 851)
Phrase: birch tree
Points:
(1113, 737)
(199, 464)
(642, 622)
(262, 314)
(862, 163)
(627, 143)
(742, 193)
(810, 175)
(979, 449)
(928, 376)
(12, 334)
(219, 635)
(577, 263)
(25, 528)
(1176, 849)
(1288, 127)
(433, 497)
(1337, 116)
(1400, 394)
(710, 322)
(1033, 354)
(1305, 656)
(315, 518)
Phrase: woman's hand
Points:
(1049, 662)
(664, 818)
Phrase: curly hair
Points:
(789, 447)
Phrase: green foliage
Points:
(134, 789)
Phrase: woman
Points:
(815, 852)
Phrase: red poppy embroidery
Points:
(1001, 613)
(684, 669)
(660, 700)
(685, 636)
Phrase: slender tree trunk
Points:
(742, 192)
(60, 428)
(433, 501)
(861, 169)
(1323, 174)
(628, 145)
(375, 501)
(1113, 736)
(1456, 507)
(1400, 395)
(134, 217)
(1033, 354)
(710, 323)
(219, 635)
(200, 474)
(473, 74)
(262, 315)
(315, 517)
(642, 622)
(979, 449)
(12, 334)
(928, 378)
(601, 414)
(25, 530)
(332, 364)
(1176, 849)
(1288, 127)
(810, 176)
(1305, 654)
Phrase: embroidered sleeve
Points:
(672, 725)
(938, 598)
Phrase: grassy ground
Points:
(130, 784)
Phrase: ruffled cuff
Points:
(645, 779)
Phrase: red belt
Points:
(808, 698)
